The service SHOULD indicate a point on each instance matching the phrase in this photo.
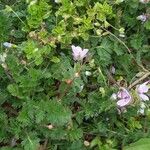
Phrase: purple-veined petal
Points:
(123, 93)
(123, 102)
(83, 53)
(76, 52)
(144, 97)
(143, 88)
(76, 49)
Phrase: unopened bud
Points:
(77, 74)
(88, 73)
(6, 44)
(113, 96)
(86, 143)
(4, 66)
(50, 126)
(69, 81)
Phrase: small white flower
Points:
(142, 18)
(57, 1)
(112, 69)
(78, 53)
(6, 44)
(121, 35)
(81, 88)
(33, 2)
(114, 96)
(36, 49)
(86, 143)
(141, 111)
(142, 108)
(142, 105)
(88, 73)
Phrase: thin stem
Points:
(118, 39)
(139, 80)
(99, 70)
(141, 66)
(16, 15)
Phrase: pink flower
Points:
(123, 97)
(144, 1)
(142, 18)
(78, 53)
(142, 89)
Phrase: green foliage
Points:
(37, 12)
(5, 25)
(140, 144)
(50, 100)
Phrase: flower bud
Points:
(88, 73)
(50, 126)
(77, 74)
(114, 96)
(69, 81)
(142, 18)
(6, 44)
(86, 143)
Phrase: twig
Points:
(129, 51)
(139, 80)
(45, 144)
(100, 72)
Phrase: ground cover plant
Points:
(74, 74)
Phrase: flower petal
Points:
(144, 97)
(123, 102)
(143, 88)
(123, 93)
(76, 49)
(83, 53)
(76, 52)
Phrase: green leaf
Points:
(4, 27)
(104, 52)
(30, 143)
(13, 89)
(136, 41)
(142, 144)
(37, 11)
(55, 59)
(147, 25)
(56, 113)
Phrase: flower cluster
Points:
(124, 98)
(142, 90)
(142, 18)
(78, 53)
